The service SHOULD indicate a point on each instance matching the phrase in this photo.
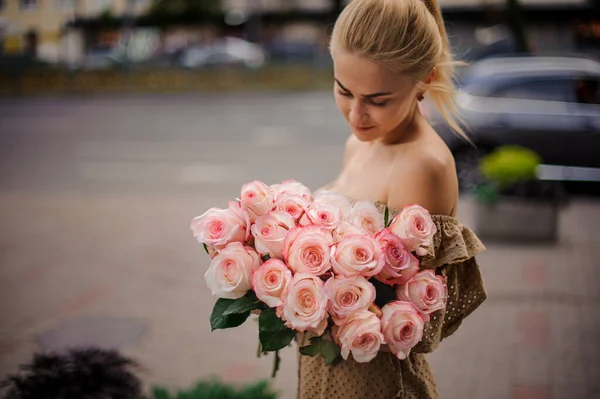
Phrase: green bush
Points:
(509, 165)
(218, 390)
(511, 170)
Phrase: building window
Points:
(28, 4)
(65, 5)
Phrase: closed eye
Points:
(368, 100)
(378, 103)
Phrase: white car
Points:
(226, 51)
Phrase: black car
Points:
(548, 104)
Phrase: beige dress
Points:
(386, 377)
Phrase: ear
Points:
(430, 77)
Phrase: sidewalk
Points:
(130, 264)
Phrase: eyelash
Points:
(374, 103)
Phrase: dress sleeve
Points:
(453, 256)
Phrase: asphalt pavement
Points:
(96, 195)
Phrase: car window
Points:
(539, 89)
(587, 90)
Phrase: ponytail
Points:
(442, 90)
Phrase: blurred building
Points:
(71, 30)
(39, 26)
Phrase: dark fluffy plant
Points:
(86, 373)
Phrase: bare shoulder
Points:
(423, 173)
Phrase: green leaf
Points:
(313, 348)
(330, 351)
(205, 248)
(251, 295)
(216, 317)
(275, 340)
(234, 320)
(240, 306)
(272, 331)
(386, 222)
(219, 321)
(268, 321)
(266, 257)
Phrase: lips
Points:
(362, 127)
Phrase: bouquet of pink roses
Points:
(320, 264)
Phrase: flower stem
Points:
(375, 309)
(276, 362)
(259, 350)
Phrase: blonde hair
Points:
(406, 36)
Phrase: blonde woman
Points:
(388, 55)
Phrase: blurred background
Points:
(121, 120)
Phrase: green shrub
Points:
(510, 170)
(509, 165)
(218, 390)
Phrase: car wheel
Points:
(467, 167)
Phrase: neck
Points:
(405, 131)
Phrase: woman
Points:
(388, 55)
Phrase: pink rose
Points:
(292, 187)
(305, 304)
(321, 214)
(365, 215)
(307, 250)
(337, 200)
(219, 227)
(292, 204)
(426, 291)
(415, 228)
(346, 229)
(269, 281)
(348, 295)
(230, 272)
(257, 198)
(357, 255)
(269, 231)
(400, 264)
(361, 335)
(402, 327)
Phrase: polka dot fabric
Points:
(386, 377)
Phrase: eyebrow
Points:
(379, 94)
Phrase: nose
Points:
(357, 113)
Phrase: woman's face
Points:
(373, 100)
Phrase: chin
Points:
(366, 136)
